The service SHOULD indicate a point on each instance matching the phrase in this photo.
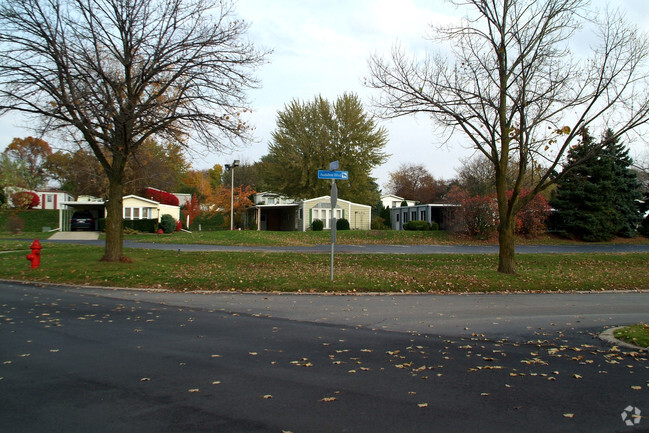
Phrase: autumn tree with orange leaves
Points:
(219, 201)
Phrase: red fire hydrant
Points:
(35, 256)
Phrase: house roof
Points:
(391, 196)
(141, 198)
(327, 197)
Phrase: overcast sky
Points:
(321, 48)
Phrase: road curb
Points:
(609, 337)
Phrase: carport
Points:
(96, 207)
(280, 217)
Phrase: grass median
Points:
(79, 264)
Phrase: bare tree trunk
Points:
(506, 241)
(114, 220)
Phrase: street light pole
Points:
(231, 168)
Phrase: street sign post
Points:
(332, 174)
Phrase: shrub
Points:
(434, 226)
(25, 200)
(417, 225)
(378, 223)
(317, 225)
(143, 226)
(342, 224)
(167, 223)
(531, 221)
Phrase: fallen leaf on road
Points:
(569, 415)
(267, 396)
(194, 390)
(422, 404)
(328, 399)
(145, 379)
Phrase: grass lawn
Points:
(79, 264)
(635, 334)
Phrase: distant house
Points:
(441, 213)
(49, 198)
(274, 212)
(52, 199)
(133, 208)
(140, 208)
(391, 200)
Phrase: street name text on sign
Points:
(331, 174)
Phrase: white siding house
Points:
(391, 200)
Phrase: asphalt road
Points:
(97, 360)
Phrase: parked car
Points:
(82, 220)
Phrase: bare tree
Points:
(414, 182)
(114, 73)
(512, 86)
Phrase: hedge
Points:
(143, 226)
(34, 219)
(417, 225)
(208, 222)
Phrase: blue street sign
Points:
(330, 174)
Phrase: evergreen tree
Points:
(597, 198)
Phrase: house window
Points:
(127, 213)
(397, 217)
(136, 213)
(50, 198)
(414, 215)
(423, 215)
